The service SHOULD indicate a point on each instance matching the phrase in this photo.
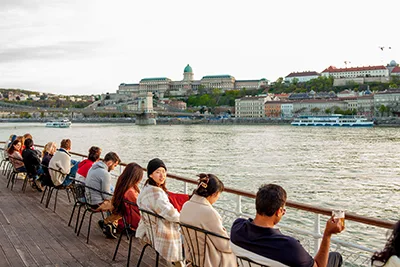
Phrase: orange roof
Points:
(396, 69)
(333, 69)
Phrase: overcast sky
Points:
(91, 46)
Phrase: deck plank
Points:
(32, 235)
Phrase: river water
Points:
(354, 169)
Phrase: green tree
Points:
(382, 109)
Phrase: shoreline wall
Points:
(380, 122)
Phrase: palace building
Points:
(163, 86)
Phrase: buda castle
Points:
(164, 87)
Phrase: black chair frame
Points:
(88, 208)
(130, 233)
(147, 215)
(246, 262)
(78, 191)
(191, 236)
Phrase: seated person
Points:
(154, 198)
(49, 149)
(61, 166)
(261, 242)
(390, 255)
(199, 212)
(86, 164)
(127, 188)
(32, 163)
(15, 156)
(8, 144)
(99, 178)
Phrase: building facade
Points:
(163, 86)
(304, 76)
(250, 107)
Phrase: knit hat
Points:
(153, 165)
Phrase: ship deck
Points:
(32, 235)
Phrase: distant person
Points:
(99, 178)
(86, 164)
(127, 188)
(26, 136)
(8, 144)
(199, 212)
(32, 164)
(61, 166)
(261, 242)
(48, 151)
(390, 255)
(15, 157)
(22, 141)
(154, 198)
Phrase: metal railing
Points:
(353, 253)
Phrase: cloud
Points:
(66, 50)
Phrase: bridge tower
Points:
(147, 114)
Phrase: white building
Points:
(388, 98)
(287, 109)
(250, 107)
(357, 72)
(304, 76)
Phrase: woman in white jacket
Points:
(390, 255)
(199, 212)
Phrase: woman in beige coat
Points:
(199, 212)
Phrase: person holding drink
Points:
(259, 240)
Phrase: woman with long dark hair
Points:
(127, 188)
(390, 255)
(154, 198)
(199, 212)
(15, 156)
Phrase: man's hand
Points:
(333, 226)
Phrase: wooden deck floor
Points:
(32, 235)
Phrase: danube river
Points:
(353, 169)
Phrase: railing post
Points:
(238, 204)
(185, 187)
(317, 233)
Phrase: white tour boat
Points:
(333, 120)
(59, 124)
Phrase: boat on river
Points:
(65, 123)
(337, 120)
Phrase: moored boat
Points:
(337, 120)
(65, 123)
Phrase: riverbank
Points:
(379, 122)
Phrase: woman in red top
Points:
(86, 164)
(127, 188)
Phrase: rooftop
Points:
(217, 76)
(334, 69)
(302, 74)
(154, 79)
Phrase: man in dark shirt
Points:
(259, 241)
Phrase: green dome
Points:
(188, 69)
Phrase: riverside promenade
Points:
(33, 235)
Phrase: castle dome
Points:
(188, 69)
(392, 63)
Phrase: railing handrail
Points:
(300, 206)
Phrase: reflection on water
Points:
(340, 168)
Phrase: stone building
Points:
(304, 76)
(163, 86)
(250, 107)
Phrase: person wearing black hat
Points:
(154, 198)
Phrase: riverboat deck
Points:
(33, 235)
